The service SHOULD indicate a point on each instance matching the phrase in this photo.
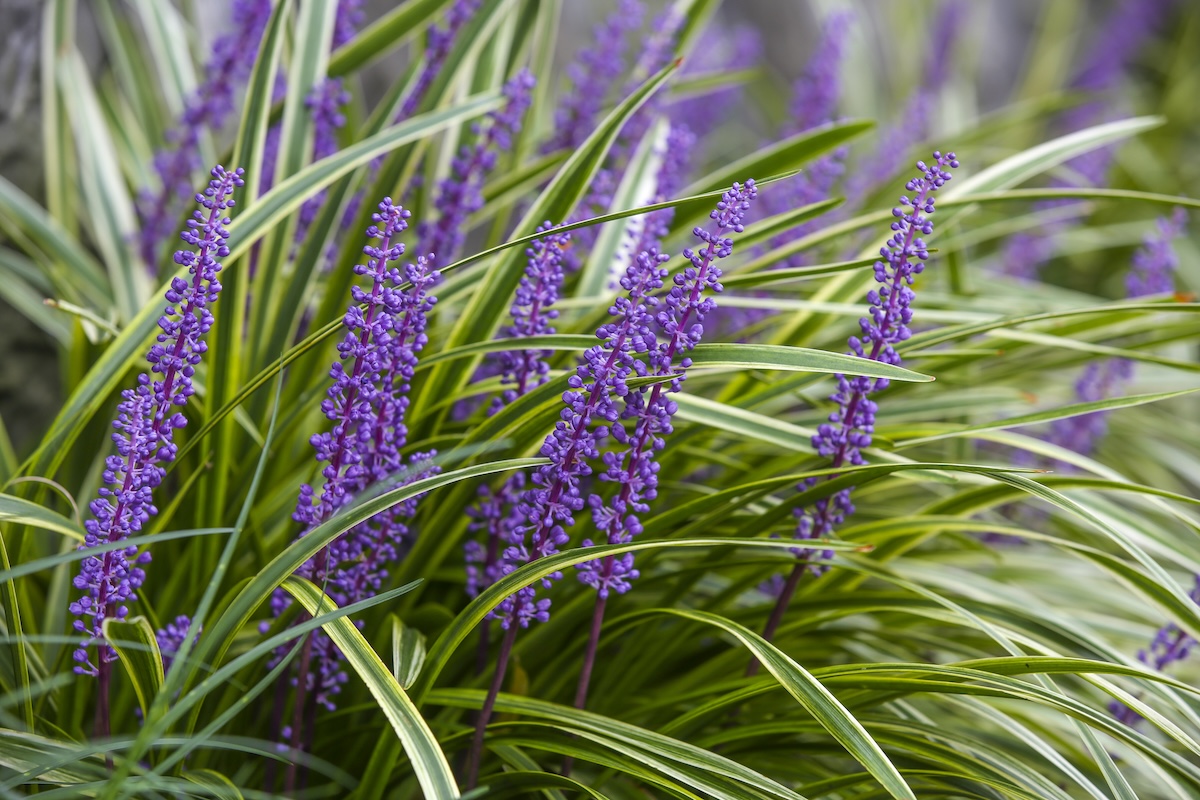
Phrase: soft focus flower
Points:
(648, 412)
(1152, 272)
(147, 419)
(207, 109)
(593, 75)
(437, 49)
(460, 194)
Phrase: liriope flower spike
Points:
(849, 429)
(207, 109)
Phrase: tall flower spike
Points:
(171, 638)
(548, 507)
(680, 320)
(437, 49)
(460, 194)
(593, 75)
(849, 429)
(367, 405)
(207, 109)
(147, 419)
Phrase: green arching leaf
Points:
(408, 652)
(705, 770)
(217, 638)
(1049, 415)
(426, 757)
(213, 783)
(137, 647)
(1030, 163)
(797, 359)
(762, 278)
(11, 603)
(169, 46)
(23, 512)
(58, 157)
(113, 221)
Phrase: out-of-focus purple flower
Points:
(939, 55)
(547, 508)
(346, 22)
(460, 194)
(171, 638)
(1155, 263)
(1170, 645)
(325, 103)
(593, 75)
(1152, 272)
(207, 109)
(849, 428)
(817, 92)
(680, 319)
(440, 42)
(367, 405)
(147, 419)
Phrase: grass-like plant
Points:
(595, 499)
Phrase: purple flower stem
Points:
(103, 722)
(589, 660)
(289, 781)
(485, 713)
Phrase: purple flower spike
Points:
(1155, 263)
(208, 108)
(680, 318)
(816, 93)
(147, 419)
(850, 427)
(460, 194)
(367, 404)
(593, 75)
(547, 508)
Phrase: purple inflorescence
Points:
(437, 49)
(593, 75)
(647, 413)
(146, 423)
(1153, 270)
(849, 429)
(533, 315)
(367, 404)
(460, 194)
(171, 638)
(1170, 645)
(547, 507)
(207, 109)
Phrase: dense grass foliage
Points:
(602, 502)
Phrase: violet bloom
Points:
(648, 412)
(146, 423)
(547, 508)
(460, 194)
(815, 97)
(1170, 645)
(437, 49)
(1152, 272)
(208, 108)
(172, 637)
(593, 75)
(533, 313)
(367, 404)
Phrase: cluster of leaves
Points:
(923, 663)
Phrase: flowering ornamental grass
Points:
(486, 323)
